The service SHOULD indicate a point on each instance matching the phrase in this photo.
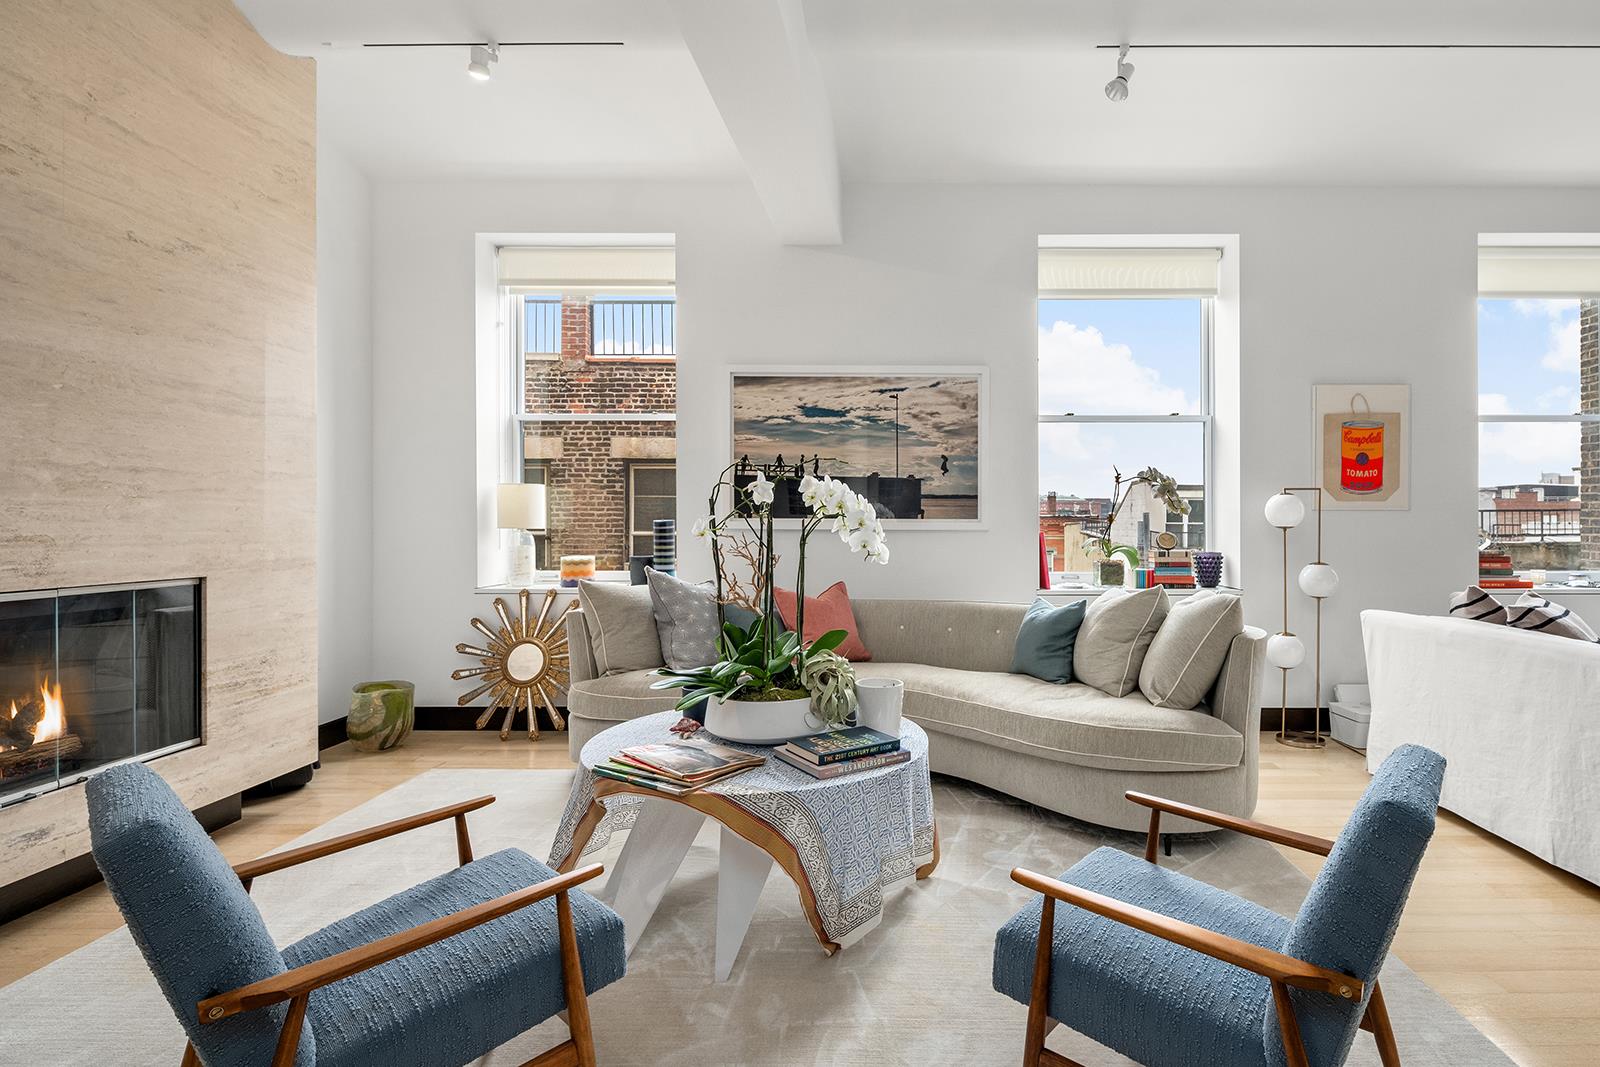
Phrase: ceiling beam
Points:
(757, 62)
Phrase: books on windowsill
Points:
(677, 767)
(1495, 571)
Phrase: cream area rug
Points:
(914, 991)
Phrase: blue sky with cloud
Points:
(1527, 365)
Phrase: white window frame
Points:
(630, 521)
(1207, 413)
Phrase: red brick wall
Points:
(588, 494)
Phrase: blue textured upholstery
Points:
(1167, 1006)
(1156, 1002)
(1350, 916)
(453, 1001)
(198, 929)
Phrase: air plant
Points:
(831, 681)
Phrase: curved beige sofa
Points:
(1069, 748)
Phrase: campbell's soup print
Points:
(1361, 455)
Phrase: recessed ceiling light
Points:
(1117, 88)
(483, 56)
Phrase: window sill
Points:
(1548, 590)
(1094, 591)
(550, 581)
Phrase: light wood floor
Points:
(1511, 942)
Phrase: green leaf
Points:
(828, 641)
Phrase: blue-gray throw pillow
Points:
(1044, 643)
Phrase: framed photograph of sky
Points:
(910, 439)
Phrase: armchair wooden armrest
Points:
(252, 870)
(1278, 836)
(1266, 962)
(296, 985)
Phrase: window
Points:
(539, 325)
(1124, 384)
(1539, 440)
(652, 495)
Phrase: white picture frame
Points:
(1352, 417)
(914, 372)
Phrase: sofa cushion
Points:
(1116, 634)
(622, 626)
(1071, 723)
(1479, 605)
(1188, 651)
(1044, 643)
(620, 697)
(830, 610)
(686, 619)
(1534, 612)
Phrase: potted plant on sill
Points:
(769, 685)
(1109, 571)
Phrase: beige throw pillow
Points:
(1115, 636)
(1189, 650)
(622, 626)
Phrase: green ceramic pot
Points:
(381, 714)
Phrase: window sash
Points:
(633, 497)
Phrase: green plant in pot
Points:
(1110, 570)
(769, 684)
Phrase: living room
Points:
(435, 326)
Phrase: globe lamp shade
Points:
(1285, 651)
(1285, 511)
(1319, 580)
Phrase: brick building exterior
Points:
(586, 461)
(1589, 463)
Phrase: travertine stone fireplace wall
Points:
(157, 412)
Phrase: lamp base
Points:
(1301, 739)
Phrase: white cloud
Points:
(1494, 404)
(1560, 399)
(1080, 372)
(1563, 352)
(1511, 453)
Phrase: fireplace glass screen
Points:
(90, 677)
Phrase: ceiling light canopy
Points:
(1117, 88)
(483, 57)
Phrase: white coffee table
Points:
(868, 830)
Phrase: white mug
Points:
(880, 701)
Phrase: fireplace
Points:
(95, 676)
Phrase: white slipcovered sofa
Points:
(1516, 713)
(1069, 748)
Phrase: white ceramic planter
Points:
(760, 722)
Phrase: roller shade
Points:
(1069, 272)
(1549, 271)
(601, 269)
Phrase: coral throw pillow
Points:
(829, 611)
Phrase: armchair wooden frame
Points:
(1281, 970)
(296, 986)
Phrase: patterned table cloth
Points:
(856, 835)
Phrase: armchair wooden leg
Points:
(1377, 1020)
(463, 842)
(289, 1036)
(1154, 837)
(1294, 1048)
(572, 981)
(191, 1058)
(1039, 999)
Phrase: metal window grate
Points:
(541, 326)
(634, 327)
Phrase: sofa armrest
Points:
(1236, 696)
(580, 654)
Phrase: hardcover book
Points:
(834, 746)
(849, 766)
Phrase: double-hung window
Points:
(1125, 342)
(1539, 415)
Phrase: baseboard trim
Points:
(53, 883)
(1299, 719)
(331, 733)
(457, 718)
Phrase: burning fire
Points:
(54, 722)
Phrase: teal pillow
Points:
(1044, 643)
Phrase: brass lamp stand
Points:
(1317, 580)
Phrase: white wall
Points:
(344, 430)
(1336, 285)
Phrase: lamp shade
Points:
(1318, 580)
(520, 506)
(1285, 510)
(1285, 651)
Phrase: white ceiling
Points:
(962, 90)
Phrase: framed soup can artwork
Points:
(1362, 445)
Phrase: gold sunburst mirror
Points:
(521, 666)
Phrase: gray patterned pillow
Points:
(686, 618)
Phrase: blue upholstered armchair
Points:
(1170, 971)
(439, 974)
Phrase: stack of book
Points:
(1496, 572)
(837, 752)
(1173, 568)
(676, 767)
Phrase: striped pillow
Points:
(1534, 612)
(1473, 603)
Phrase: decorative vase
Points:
(880, 701)
(760, 722)
(575, 569)
(1110, 573)
(1208, 569)
(666, 545)
(381, 715)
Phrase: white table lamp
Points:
(520, 506)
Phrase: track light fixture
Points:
(483, 55)
(1117, 88)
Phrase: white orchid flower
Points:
(761, 489)
(867, 539)
(811, 492)
(703, 528)
(832, 493)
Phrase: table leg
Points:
(741, 872)
(654, 851)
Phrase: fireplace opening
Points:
(92, 677)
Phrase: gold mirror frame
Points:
(518, 636)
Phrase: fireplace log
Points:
(18, 729)
(26, 760)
